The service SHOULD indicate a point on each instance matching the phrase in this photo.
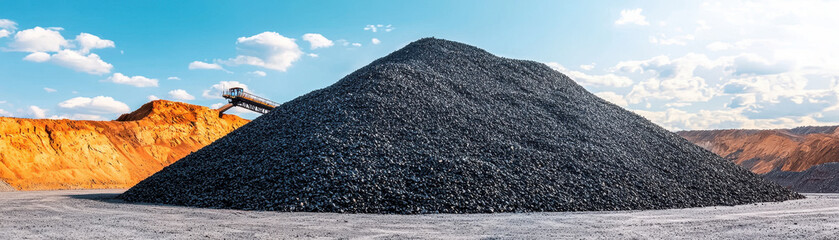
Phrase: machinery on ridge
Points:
(237, 97)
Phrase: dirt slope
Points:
(42, 154)
(762, 151)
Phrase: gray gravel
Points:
(91, 215)
(444, 127)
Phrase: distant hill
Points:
(44, 154)
(762, 151)
(805, 159)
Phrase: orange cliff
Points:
(763, 151)
(42, 154)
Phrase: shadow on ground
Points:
(102, 197)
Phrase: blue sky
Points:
(683, 65)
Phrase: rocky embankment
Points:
(823, 178)
(763, 151)
(43, 154)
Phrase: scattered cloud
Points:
(587, 67)
(632, 16)
(5, 113)
(91, 63)
(152, 98)
(317, 41)
(50, 90)
(173, 78)
(215, 91)
(377, 27)
(38, 39)
(137, 81)
(356, 44)
(613, 97)
(258, 73)
(236, 110)
(42, 41)
(718, 46)
(681, 40)
(37, 112)
(180, 94)
(89, 41)
(202, 65)
(269, 50)
(610, 80)
(95, 105)
(375, 41)
(8, 24)
(37, 57)
(312, 55)
(79, 116)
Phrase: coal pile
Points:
(444, 127)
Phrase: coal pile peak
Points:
(444, 127)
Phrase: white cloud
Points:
(610, 80)
(8, 24)
(232, 110)
(202, 65)
(95, 105)
(375, 41)
(356, 44)
(5, 113)
(173, 78)
(50, 90)
(152, 98)
(5, 33)
(312, 55)
(612, 97)
(89, 41)
(317, 41)
(37, 57)
(215, 91)
(258, 73)
(91, 63)
(79, 116)
(38, 39)
(137, 81)
(587, 67)
(632, 16)
(180, 94)
(41, 41)
(718, 46)
(268, 50)
(377, 27)
(37, 112)
(677, 40)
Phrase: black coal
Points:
(444, 127)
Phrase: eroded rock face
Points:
(763, 151)
(42, 154)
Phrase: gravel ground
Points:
(95, 214)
